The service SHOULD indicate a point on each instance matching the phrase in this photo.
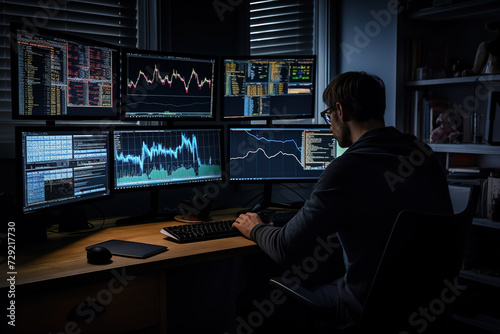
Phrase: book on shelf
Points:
(493, 198)
(417, 114)
(426, 104)
(469, 172)
(465, 170)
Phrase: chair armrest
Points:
(302, 295)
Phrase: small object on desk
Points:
(98, 255)
(263, 214)
(273, 216)
(281, 218)
(201, 231)
(264, 217)
(189, 219)
(130, 248)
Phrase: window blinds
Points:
(282, 27)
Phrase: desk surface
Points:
(62, 257)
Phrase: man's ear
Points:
(343, 114)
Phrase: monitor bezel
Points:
(270, 117)
(65, 204)
(15, 26)
(214, 84)
(164, 186)
(267, 127)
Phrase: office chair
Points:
(415, 283)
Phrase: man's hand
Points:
(246, 222)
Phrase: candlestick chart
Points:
(160, 157)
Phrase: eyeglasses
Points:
(326, 116)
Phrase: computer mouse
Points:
(98, 255)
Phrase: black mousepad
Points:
(131, 248)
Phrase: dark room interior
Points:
(126, 121)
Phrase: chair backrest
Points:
(418, 271)
(461, 196)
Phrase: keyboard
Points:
(201, 231)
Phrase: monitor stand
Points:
(153, 215)
(268, 193)
(194, 210)
(71, 219)
(267, 202)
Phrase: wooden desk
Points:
(57, 291)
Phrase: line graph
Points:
(268, 147)
(299, 148)
(264, 142)
(158, 149)
(279, 153)
(267, 156)
(164, 86)
(166, 156)
(168, 79)
(265, 153)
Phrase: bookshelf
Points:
(452, 81)
(435, 44)
(465, 148)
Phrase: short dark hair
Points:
(362, 94)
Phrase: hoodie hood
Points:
(385, 143)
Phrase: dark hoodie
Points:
(358, 197)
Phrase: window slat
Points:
(285, 28)
(283, 40)
(258, 6)
(303, 9)
(85, 5)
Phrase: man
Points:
(359, 194)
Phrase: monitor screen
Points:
(57, 76)
(62, 166)
(148, 157)
(161, 85)
(290, 153)
(269, 87)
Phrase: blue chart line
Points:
(164, 157)
(159, 149)
(275, 141)
(270, 154)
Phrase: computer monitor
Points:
(269, 87)
(152, 157)
(62, 167)
(267, 155)
(156, 158)
(56, 76)
(281, 154)
(163, 86)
